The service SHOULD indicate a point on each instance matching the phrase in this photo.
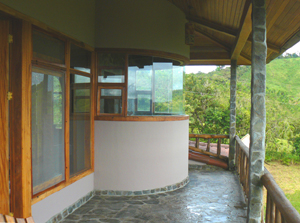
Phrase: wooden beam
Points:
(244, 31)
(219, 43)
(212, 26)
(4, 164)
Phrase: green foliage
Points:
(207, 103)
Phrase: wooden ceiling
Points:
(223, 29)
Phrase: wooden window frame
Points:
(67, 115)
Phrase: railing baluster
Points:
(208, 145)
(219, 147)
(197, 143)
(268, 209)
(277, 215)
(272, 211)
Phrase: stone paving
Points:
(211, 196)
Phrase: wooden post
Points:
(4, 164)
(258, 110)
(232, 129)
(20, 120)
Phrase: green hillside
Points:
(207, 103)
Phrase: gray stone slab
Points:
(211, 196)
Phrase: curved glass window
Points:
(155, 86)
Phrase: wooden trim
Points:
(67, 112)
(208, 153)
(143, 118)
(25, 183)
(4, 140)
(41, 25)
(60, 186)
(92, 112)
(182, 59)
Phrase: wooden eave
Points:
(223, 29)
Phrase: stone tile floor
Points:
(210, 196)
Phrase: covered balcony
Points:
(92, 110)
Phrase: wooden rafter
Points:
(212, 26)
(219, 43)
(244, 31)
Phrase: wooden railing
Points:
(208, 147)
(278, 208)
(242, 164)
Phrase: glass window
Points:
(155, 86)
(80, 59)
(80, 120)
(111, 67)
(111, 76)
(48, 157)
(48, 48)
(111, 101)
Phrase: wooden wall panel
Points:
(4, 163)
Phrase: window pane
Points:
(80, 157)
(144, 102)
(111, 101)
(48, 48)
(48, 157)
(111, 76)
(80, 59)
(111, 60)
(155, 86)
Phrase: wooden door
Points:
(4, 125)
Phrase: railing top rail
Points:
(243, 146)
(289, 213)
(208, 136)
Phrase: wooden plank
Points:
(4, 154)
(93, 106)
(143, 118)
(197, 143)
(2, 218)
(244, 31)
(9, 219)
(208, 153)
(29, 220)
(20, 220)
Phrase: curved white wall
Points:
(133, 156)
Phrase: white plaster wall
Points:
(140, 155)
(55, 203)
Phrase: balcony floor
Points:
(213, 195)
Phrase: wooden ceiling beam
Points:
(212, 26)
(219, 43)
(244, 31)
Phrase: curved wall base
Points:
(144, 192)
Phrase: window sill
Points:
(143, 118)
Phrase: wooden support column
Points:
(20, 119)
(258, 110)
(4, 164)
(232, 130)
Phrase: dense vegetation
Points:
(207, 103)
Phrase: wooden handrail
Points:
(208, 146)
(279, 209)
(208, 136)
(286, 209)
(243, 146)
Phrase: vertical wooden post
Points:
(232, 129)
(4, 164)
(258, 110)
(20, 119)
